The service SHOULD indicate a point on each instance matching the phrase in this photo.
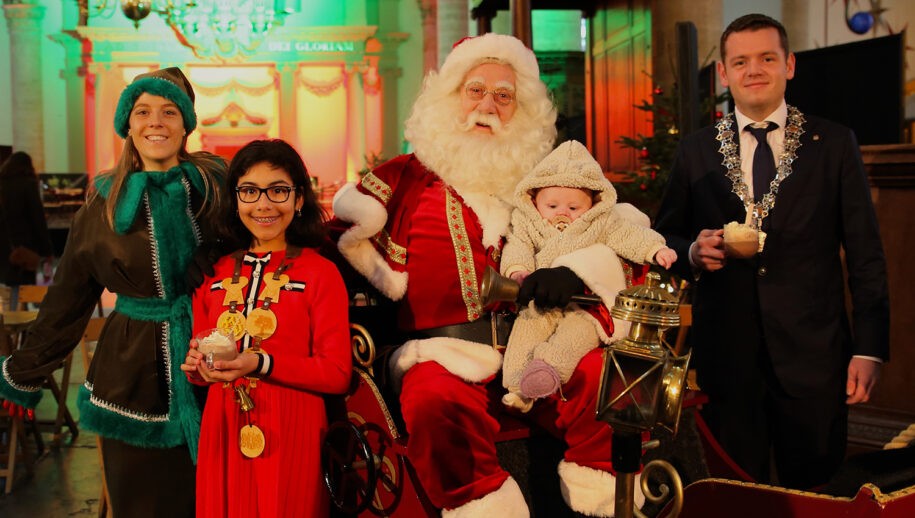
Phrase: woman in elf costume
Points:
(136, 236)
(286, 307)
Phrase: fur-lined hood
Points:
(569, 165)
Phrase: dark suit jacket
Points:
(788, 303)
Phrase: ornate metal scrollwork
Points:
(363, 347)
(662, 467)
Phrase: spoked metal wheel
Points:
(350, 468)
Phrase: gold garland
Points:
(729, 150)
(232, 84)
(322, 88)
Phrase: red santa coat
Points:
(407, 224)
(423, 244)
(309, 354)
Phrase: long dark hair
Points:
(307, 228)
(17, 164)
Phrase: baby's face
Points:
(569, 202)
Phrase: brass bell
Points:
(244, 399)
(498, 288)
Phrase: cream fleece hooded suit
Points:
(561, 337)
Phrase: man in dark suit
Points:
(772, 343)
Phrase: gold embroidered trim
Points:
(395, 252)
(728, 150)
(462, 250)
(374, 185)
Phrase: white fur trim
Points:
(494, 215)
(368, 217)
(600, 268)
(591, 491)
(470, 361)
(489, 47)
(628, 212)
(505, 502)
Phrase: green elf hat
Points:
(170, 83)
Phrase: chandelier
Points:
(218, 30)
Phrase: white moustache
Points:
(487, 119)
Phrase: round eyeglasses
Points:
(276, 193)
(501, 96)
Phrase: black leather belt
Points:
(491, 328)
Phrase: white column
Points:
(74, 74)
(355, 120)
(106, 87)
(24, 23)
(797, 17)
(289, 131)
(705, 15)
(452, 20)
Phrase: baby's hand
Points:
(666, 257)
(519, 276)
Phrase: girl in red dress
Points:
(286, 307)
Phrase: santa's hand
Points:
(14, 410)
(550, 287)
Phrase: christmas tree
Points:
(645, 186)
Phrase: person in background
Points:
(265, 460)
(136, 236)
(24, 239)
(423, 228)
(771, 337)
(567, 204)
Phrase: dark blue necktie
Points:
(763, 160)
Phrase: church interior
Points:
(337, 81)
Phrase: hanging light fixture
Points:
(218, 30)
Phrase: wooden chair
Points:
(15, 429)
(90, 336)
(33, 295)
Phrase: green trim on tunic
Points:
(29, 397)
(174, 239)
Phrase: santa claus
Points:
(423, 229)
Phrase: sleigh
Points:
(368, 473)
(366, 467)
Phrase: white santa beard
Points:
(474, 163)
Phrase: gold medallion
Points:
(261, 323)
(251, 441)
(233, 322)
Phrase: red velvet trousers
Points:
(452, 427)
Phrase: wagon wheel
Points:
(349, 467)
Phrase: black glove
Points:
(201, 266)
(550, 287)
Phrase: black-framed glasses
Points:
(275, 193)
(501, 95)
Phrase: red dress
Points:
(309, 354)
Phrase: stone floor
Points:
(65, 479)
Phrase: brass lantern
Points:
(642, 382)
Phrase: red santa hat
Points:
(489, 48)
